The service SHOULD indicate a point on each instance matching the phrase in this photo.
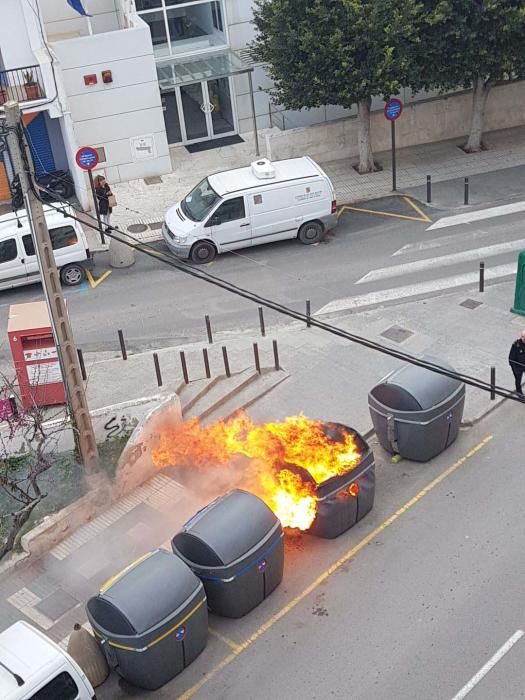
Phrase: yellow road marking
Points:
(95, 282)
(233, 645)
(381, 213)
(421, 213)
(332, 569)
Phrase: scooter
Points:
(58, 187)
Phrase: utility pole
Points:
(65, 344)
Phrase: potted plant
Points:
(3, 94)
(31, 86)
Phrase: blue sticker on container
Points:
(180, 634)
(261, 566)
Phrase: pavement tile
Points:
(57, 604)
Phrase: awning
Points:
(183, 71)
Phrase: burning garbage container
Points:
(151, 619)
(417, 413)
(235, 546)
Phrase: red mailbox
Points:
(35, 355)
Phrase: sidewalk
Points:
(142, 205)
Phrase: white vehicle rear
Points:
(262, 203)
(33, 667)
(18, 261)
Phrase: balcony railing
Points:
(21, 84)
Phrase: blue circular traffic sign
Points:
(86, 158)
(393, 109)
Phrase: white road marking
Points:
(412, 290)
(465, 238)
(442, 261)
(489, 665)
(469, 217)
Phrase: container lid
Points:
(144, 594)
(230, 526)
(413, 388)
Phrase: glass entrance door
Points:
(206, 110)
(194, 112)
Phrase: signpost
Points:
(392, 111)
(87, 159)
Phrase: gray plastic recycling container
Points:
(235, 546)
(417, 413)
(151, 619)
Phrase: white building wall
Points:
(14, 39)
(61, 19)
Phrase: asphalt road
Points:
(156, 306)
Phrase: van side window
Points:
(230, 211)
(62, 687)
(62, 237)
(8, 250)
(29, 245)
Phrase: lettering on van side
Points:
(308, 195)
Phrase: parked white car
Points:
(18, 261)
(33, 667)
(262, 203)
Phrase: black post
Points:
(308, 324)
(184, 367)
(393, 132)
(226, 362)
(157, 369)
(466, 192)
(492, 383)
(261, 321)
(97, 210)
(81, 363)
(208, 329)
(256, 356)
(482, 277)
(122, 345)
(429, 189)
(206, 363)
(275, 355)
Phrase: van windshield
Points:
(199, 202)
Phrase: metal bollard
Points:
(208, 329)
(226, 361)
(157, 369)
(482, 277)
(184, 367)
(256, 356)
(429, 189)
(492, 383)
(466, 192)
(122, 345)
(308, 324)
(275, 355)
(261, 321)
(206, 363)
(81, 363)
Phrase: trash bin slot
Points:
(193, 549)
(395, 397)
(114, 621)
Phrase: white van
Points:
(32, 667)
(18, 261)
(244, 207)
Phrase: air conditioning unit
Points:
(263, 169)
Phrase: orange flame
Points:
(270, 447)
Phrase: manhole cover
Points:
(397, 334)
(156, 225)
(153, 180)
(137, 228)
(471, 304)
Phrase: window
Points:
(8, 250)
(62, 237)
(63, 687)
(230, 211)
(29, 245)
(199, 202)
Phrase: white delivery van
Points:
(262, 203)
(18, 261)
(32, 667)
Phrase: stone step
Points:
(224, 390)
(190, 394)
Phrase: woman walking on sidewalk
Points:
(517, 361)
(103, 193)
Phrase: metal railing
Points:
(21, 84)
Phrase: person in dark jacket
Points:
(103, 192)
(517, 361)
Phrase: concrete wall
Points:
(14, 39)
(59, 18)
(422, 122)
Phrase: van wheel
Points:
(72, 275)
(311, 232)
(203, 252)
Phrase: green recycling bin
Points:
(519, 294)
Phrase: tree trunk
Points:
(366, 157)
(479, 100)
(19, 520)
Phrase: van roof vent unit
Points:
(263, 169)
